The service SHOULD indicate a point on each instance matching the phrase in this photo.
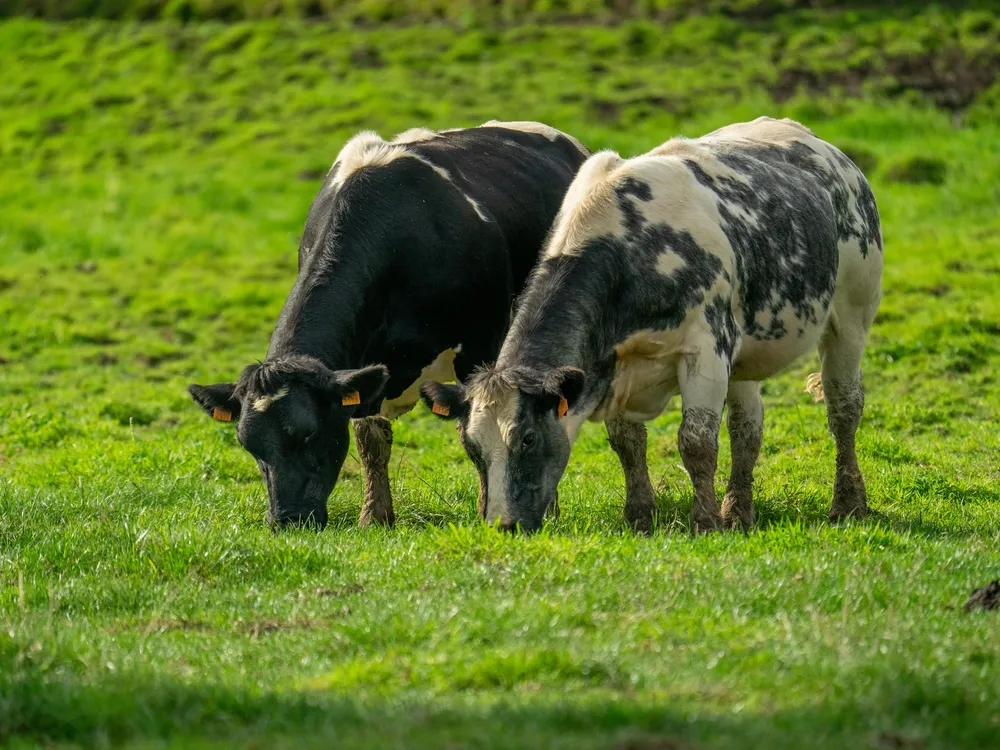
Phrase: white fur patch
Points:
(579, 216)
(441, 370)
(538, 128)
(415, 135)
(477, 209)
(263, 403)
(367, 149)
(490, 428)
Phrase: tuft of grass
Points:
(917, 170)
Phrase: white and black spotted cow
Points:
(700, 268)
(411, 256)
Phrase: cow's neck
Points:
(564, 320)
(322, 318)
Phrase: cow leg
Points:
(840, 353)
(745, 422)
(704, 381)
(628, 440)
(374, 439)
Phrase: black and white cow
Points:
(702, 267)
(411, 256)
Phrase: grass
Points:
(155, 180)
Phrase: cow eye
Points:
(308, 438)
(528, 440)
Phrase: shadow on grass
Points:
(885, 710)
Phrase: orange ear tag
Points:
(351, 399)
(222, 415)
(563, 408)
(441, 409)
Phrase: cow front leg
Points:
(745, 422)
(704, 381)
(374, 439)
(628, 440)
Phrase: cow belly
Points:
(441, 369)
(645, 375)
(761, 359)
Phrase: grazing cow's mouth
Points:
(314, 519)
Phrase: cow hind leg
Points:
(840, 353)
(745, 422)
(374, 439)
(628, 440)
(704, 381)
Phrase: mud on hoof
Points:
(737, 511)
(377, 515)
(704, 522)
(641, 516)
(850, 499)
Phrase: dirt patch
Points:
(348, 590)
(103, 359)
(155, 360)
(951, 78)
(257, 628)
(605, 110)
(647, 743)
(896, 740)
(367, 56)
(986, 598)
(938, 290)
(311, 175)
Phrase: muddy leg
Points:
(704, 382)
(745, 421)
(840, 353)
(628, 440)
(374, 439)
(845, 402)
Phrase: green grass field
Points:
(153, 183)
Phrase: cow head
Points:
(515, 424)
(292, 417)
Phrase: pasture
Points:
(154, 179)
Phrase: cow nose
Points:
(509, 526)
(312, 520)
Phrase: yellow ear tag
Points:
(563, 408)
(440, 409)
(351, 399)
(222, 415)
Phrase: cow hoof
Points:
(737, 512)
(641, 519)
(850, 499)
(380, 517)
(841, 512)
(706, 523)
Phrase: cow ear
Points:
(355, 387)
(566, 383)
(217, 400)
(447, 401)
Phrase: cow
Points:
(412, 253)
(700, 268)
